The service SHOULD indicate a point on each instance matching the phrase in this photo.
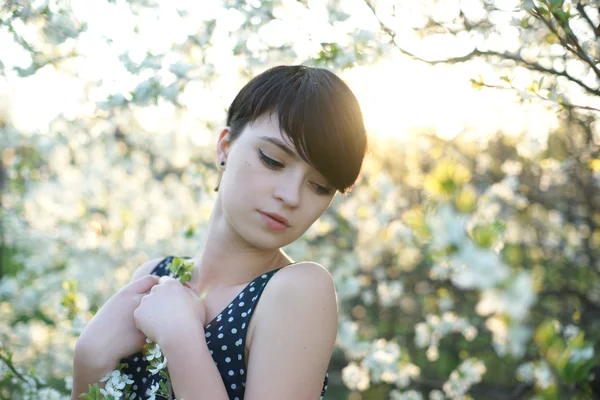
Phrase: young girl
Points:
(294, 137)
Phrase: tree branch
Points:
(581, 8)
(563, 104)
(577, 51)
(531, 65)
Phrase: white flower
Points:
(468, 373)
(389, 292)
(570, 332)
(477, 268)
(409, 395)
(582, 354)
(356, 377)
(110, 391)
(447, 227)
(154, 353)
(48, 394)
(158, 366)
(436, 395)
(151, 391)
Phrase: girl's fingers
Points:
(144, 284)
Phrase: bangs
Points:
(316, 110)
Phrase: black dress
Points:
(225, 337)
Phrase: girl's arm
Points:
(192, 369)
(87, 371)
(294, 335)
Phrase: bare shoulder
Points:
(145, 268)
(304, 284)
(305, 275)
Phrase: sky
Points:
(398, 96)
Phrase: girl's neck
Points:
(226, 259)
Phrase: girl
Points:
(294, 137)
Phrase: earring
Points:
(222, 163)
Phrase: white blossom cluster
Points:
(435, 328)
(389, 292)
(380, 362)
(503, 293)
(538, 372)
(407, 395)
(115, 385)
(468, 373)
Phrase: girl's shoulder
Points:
(305, 278)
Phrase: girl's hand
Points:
(112, 333)
(169, 309)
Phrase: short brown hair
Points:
(317, 111)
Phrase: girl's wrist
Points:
(86, 357)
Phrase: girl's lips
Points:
(273, 223)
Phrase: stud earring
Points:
(222, 163)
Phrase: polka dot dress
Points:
(225, 337)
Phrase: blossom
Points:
(408, 395)
(151, 391)
(356, 377)
(156, 367)
(468, 373)
(154, 353)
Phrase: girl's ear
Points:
(223, 146)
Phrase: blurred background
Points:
(466, 259)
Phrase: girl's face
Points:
(263, 174)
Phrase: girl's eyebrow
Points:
(281, 144)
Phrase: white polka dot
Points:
(243, 325)
(224, 347)
(135, 387)
(230, 311)
(220, 335)
(211, 352)
(241, 304)
(233, 386)
(233, 330)
(138, 369)
(252, 289)
(251, 283)
(229, 306)
(239, 356)
(263, 276)
(221, 327)
(241, 295)
(207, 334)
(230, 319)
(241, 372)
(230, 373)
(135, 359)
(144, 380)
(238, 342)
(227, 359)
(207, 326)
(244, 314)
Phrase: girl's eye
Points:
(269, 162)
(323, 189)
